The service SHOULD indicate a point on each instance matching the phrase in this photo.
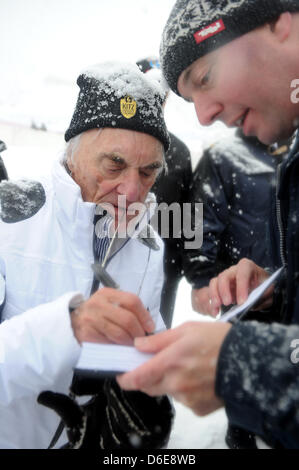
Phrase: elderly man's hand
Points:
(184, 365)
(233, 285)
(111, 316)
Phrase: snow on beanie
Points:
(119, 95)
(197, 27)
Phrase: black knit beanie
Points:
(119, 95)
(197, 27)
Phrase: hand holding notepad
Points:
(252, 299)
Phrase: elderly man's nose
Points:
(130, 186)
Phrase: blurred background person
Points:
(171, 186)
(235, 179)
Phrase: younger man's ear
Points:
(282, 26)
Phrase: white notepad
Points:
(110, 358)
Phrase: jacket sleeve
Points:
(208, 187)
(36, 349)
(258, 379)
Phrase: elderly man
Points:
(222, 56)
(51, 231)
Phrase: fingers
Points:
(115, 326)
(153, 377)
(184, 368)
(215, 299)
(149, 376)
(222, 290)
(111, 316)
(118, 324)
(131, 303)
(246, 273)
(234, 284)
(184, 365)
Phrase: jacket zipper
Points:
(145, 269)
(108, 261)
(94, 288)
(279, 221)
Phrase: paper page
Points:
(252, 298)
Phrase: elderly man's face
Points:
(116, 162)
(245, 83)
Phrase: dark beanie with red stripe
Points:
(197, 27)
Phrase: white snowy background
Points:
(43, 47)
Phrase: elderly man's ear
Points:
(69, 166)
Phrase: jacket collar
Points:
(75, 215)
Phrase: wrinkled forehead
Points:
(124, 142)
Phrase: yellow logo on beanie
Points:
(128, 107)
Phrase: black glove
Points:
(113, 418)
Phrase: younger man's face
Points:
(245, 83)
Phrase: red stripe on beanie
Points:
(208, 31)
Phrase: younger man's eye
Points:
(206, 78)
